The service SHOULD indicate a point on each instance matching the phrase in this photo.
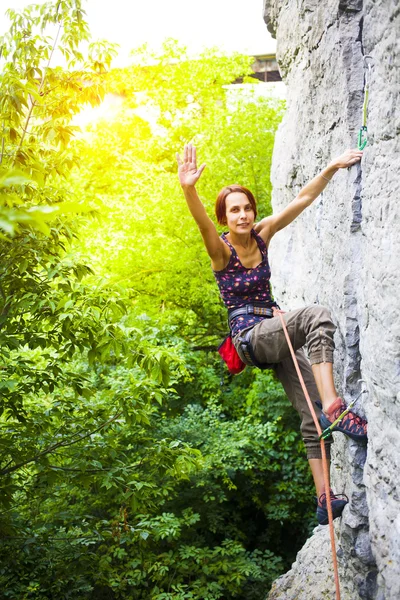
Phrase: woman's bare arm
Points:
(267, 227)
(189, 175)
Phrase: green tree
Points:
(128, 470)
(146, 239)
(45, 316)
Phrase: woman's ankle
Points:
(330, 405)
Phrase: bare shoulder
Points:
(266, 228)
(216, 248)
(221, 258)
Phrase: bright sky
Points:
(233, 25)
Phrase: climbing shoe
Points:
(337, 503)
(351, 424)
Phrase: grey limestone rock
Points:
(343, 252)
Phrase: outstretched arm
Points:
(270, 225)
(189, 175)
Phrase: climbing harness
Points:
(227, 349)
(328, 431)
(248, 352)
(323, 453)
(363, 133)
(246, 347)
(251, 309)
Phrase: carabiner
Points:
(368, 60)
(362, 137)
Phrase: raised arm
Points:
(189, 175)
(270, 225)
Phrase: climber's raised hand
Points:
(188, 172)
(347, 159)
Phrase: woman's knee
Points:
(320, 336)
(320, 315)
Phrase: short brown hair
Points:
(220, 205)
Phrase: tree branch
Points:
(33, 103)
(62, 444)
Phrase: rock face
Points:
(343, 252)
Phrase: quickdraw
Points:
(363, 133)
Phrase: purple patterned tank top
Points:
(239, 286)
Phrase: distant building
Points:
(265, 68)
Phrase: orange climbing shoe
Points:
(338, 502)
(351, 424)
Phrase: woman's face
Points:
(239, 213)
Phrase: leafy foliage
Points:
(166, 104)
(130, 466)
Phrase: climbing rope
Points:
(363, 133)
(323, 453)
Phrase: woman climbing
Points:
(239, 259)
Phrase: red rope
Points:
(323, 454)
